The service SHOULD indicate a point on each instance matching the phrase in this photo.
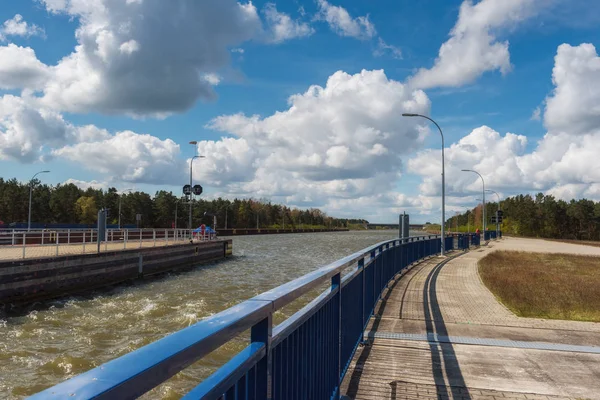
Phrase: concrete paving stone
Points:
(451, 300)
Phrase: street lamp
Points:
(120, 196)
(30, 194)
(443, 175)
(193, 142)
(475, 172)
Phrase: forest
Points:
(68, 204)
(537, 216)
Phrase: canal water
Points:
(50, 342)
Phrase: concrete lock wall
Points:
(25, 281)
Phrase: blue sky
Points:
(309, 151)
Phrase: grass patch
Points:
(555, 286)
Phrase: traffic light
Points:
(499, 216)
(493, 220)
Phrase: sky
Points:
(300, 102)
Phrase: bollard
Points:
(57, 243)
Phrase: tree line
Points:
(537, 216)
(69, 204)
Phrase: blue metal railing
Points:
(306, 356)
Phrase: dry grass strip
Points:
(555, 286)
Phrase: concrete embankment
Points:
(28, 280)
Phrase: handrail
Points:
(137, 372)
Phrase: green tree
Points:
(86, 210)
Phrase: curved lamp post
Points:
(194, 143)
(483, 217)
(30, 194)
(120, 196)
(443, 175)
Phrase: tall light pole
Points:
(443, 175)
(194, 143)
(30, 194)
(483, 191)
(120, 196)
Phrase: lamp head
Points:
(410, 115)
(194, 142)
(43, 172)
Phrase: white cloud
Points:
(574, 105)
(473, 47)
(213, 79)
(131, 59)
(26, 131)
(565, 161)
(340, 141)
(129, 157)
(281, 27)
(19, 67)
(383, 48)
(342, 23)
(18, 27)
(84, 185)
(238, 50)
(537, 114)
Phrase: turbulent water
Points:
(56, 340)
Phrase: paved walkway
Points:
(440, 334)
(8, 253)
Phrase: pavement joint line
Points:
(434, 338)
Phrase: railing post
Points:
(13, 238)
(154, 236)
(361, 266)
(263, 332)
(374, 267)
(24, 240)
(336, 284)
(141, 238)
(125, 239)
(68, 236)
(57, 242)
(42, 237)
(84, 242)
(167, 236)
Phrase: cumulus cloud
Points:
(132, 59)
(281, 27)
(574, 105)
(19, 67)
(564, 162)
(16, 26)
(26, 130)
(84, 185)
(342, 23)
(473, 47)
(344, 140)
(130, 156)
